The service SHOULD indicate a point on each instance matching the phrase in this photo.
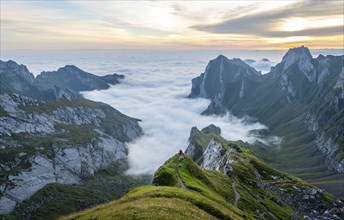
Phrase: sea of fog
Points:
(154, 90)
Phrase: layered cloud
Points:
(155, 90)
(170, 25)
(308, 18)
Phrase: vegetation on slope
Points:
(183, 190)
(264, 190)
(196, 201)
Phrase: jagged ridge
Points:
(300, 100)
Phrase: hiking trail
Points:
(237, 195)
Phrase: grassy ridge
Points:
(182, 189)
(205, 194)
(158, 202)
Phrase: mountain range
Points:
(61, 153)
(16, 78)
(300, 100)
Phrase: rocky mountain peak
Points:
(76, 79)
(15, 68)
(297, 55)
(70, 69)
(219, 57)
(240, 62)
(235, 61)
(219, 73)
(194, 131)
(211, 129)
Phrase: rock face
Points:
(222, 73)
(248, 173)
(54, 141)
(300, 97)
(42, 144)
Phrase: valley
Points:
(65, 147)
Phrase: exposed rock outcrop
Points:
(59, 142)
(218, 74)
(50, 134)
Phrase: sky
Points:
(174, 25)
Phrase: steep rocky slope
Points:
(231, 183)
(54, 137)
(57, 142)
(300, 99)
(257, 178)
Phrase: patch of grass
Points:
(151, 208)
(220, 184)
(52, 105)
(76, 134)
(266, 171)
(165, 176)
(328, 197)
(151, 195)
(209, 183)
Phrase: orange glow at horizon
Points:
(169, 25)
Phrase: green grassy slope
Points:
(170, 198)
(183, 190)
(158, 202)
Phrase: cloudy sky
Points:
(171, 25)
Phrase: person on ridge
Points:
(181, 154)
